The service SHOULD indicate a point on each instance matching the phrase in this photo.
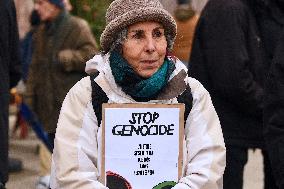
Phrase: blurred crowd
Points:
(233, 47)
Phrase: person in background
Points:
(186, 19)
(274, 114)
(27, 44)
(61, 46)
(229, 59)
(135, 67)
(271, 19)
(67, 5)
(10, 74)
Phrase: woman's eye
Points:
(158, 34)
(138, 35)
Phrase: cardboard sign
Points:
(142, 145)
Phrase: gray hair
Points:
(117, 44)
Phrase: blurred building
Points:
(198, 5)
(171, 5)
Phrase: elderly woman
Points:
(135, 67)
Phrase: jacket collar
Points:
(174, 87)
(51, 27)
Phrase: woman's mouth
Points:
(148, 61)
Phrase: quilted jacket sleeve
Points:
(75, 155)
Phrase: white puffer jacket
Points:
(76, 154)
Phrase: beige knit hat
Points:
(123, 13)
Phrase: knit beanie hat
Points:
(58, 3)
(123, 13)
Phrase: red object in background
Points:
(115, 181)
(22, 125)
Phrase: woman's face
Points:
(46, 10)
(145, 47)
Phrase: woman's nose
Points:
(150, 45)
